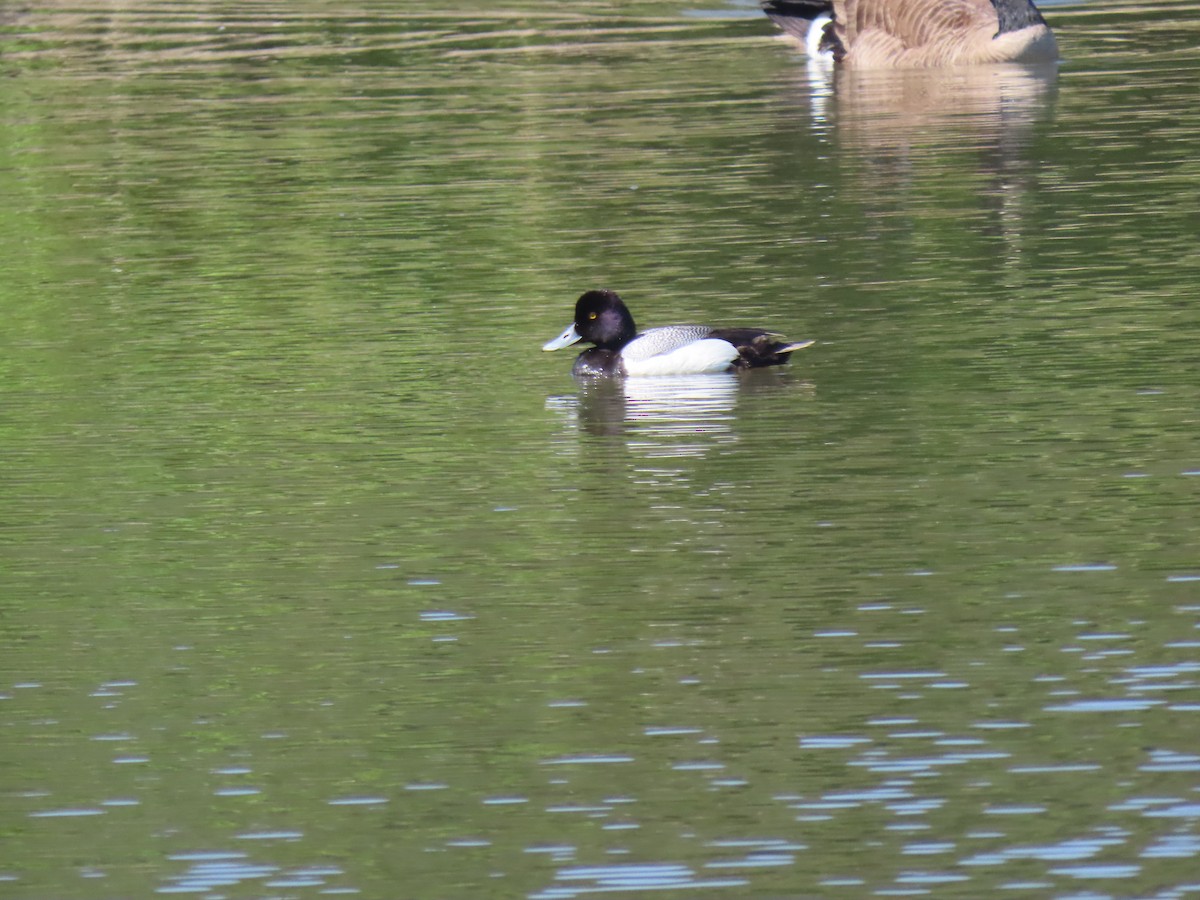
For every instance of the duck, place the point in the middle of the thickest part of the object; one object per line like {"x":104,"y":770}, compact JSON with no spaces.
{"x":916,"y":34}
{"x":603,"y":319}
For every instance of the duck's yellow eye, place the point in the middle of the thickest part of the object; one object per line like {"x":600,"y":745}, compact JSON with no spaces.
{"x":591,"y":315}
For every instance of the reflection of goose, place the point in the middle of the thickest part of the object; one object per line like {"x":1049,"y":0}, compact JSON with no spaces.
{"x":897,"y":108}
{"x":905,"y":134}
{"x":916,"y":34}
{"x":603,"y":319}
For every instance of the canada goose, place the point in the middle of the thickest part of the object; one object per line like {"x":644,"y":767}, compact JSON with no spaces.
{"x":916,"y":34}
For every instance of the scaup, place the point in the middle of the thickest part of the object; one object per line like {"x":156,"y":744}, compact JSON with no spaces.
{"x":603,"y":319}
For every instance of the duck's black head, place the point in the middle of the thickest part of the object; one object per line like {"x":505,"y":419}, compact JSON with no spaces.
{"x":602,"y":318}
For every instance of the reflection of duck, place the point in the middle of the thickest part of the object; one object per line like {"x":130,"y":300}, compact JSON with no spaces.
{"x":601,"y":318}
{"x":679,"y":415}
{"x":916,"y":34}
{"x":682,"y":404}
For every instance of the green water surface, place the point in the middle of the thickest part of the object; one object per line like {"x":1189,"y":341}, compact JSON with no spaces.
{"x":317,"y":576}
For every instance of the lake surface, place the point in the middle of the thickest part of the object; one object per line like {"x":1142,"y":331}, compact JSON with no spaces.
{"x":318,"y":577}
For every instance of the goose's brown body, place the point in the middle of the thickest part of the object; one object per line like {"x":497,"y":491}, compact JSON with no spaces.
{"x":916,"y":34}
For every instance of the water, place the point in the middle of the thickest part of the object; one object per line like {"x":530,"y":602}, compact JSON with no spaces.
{"x":320,"y":578}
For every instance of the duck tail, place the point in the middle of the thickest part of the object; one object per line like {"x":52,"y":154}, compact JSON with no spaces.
{"x":758,"y":348}
{"x":798,"y":345}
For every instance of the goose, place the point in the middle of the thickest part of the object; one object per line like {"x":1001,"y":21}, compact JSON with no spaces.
{"x":916,"y":34}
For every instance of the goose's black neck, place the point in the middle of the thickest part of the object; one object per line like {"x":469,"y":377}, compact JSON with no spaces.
{"x":1015,"y":15}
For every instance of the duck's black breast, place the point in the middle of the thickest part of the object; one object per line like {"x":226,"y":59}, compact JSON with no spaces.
{"x":596,"y":362}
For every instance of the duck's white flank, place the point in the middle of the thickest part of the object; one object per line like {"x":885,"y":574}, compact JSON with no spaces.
{"x":697,"y":358}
